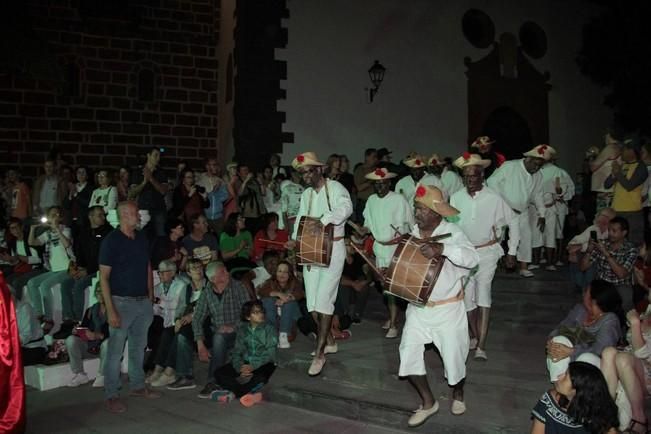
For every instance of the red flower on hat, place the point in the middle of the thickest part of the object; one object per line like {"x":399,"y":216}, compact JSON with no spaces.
{"x":418,"y":162}
{"x":542,"y":149}
{"x":434,"y":162}
{"x":420,"y":191}
{"x":300,"y":158}
{"x":466,"y":155}
{"x":380,"y":172}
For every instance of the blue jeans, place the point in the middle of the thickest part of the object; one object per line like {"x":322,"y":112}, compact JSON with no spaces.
{"x":40,"y":293}
{"x":289,"y":313}
{"x":184,"y":355}
{"x":581,"y":278}
{"x":136,"y":315}
{"x":73,"y":293}
{"x":222,"y":343}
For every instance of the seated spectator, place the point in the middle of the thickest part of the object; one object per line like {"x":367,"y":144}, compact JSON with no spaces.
{"x":58,"y":247}
{"x":269,"y":237}
{"x":188,"y":198}
{"x":105,"y":195}
{"x":642,"y":276}
{"x":183,"y":327}
{"x":170,"y":246}
{"x":222,"y":302}
{"x":578,"y":403}
{"x":353,"y":290}
{"x":23,"y":261}
{"x":170,"y":297}
{"x":259,"y":275}
{"x":82,"y":272}
{"x":77,"y":200}
{"x":590,"y":327}
{"x":614,"y":260}
{"x":253,"y":358}
{"x":87,"y":338}
{"x":199,"y":243}
{"x":236,"y":245}
{"x":632,"y":369}
{"x":32,"y":343}
{"x":578,"y":246}
{"x":280,"y":295}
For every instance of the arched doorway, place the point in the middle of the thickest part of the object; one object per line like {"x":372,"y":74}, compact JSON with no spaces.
{"x":510,"y":131}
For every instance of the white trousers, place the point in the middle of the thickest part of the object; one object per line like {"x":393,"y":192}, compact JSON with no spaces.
{"x":524,"y":247}
{"x":322,"y":283}
{"x":479,"y":288}
{"x":445,"y":326}
{"x":548,"y":237}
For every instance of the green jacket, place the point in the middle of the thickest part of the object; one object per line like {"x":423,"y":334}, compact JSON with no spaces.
{"x":254,"y":346}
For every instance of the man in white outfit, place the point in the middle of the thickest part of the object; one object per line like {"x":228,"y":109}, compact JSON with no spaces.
{"x":450,"y":181}
{"x":328,"y":201}
{"x":519,"y":182}
{"x":387,"y":216}
{"x":442,"y":321}
{"x":483,"y":213}
{"x":417,"y":176}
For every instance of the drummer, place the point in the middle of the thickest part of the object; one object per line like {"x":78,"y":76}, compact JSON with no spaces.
{"x":328,"y":201}
{"x":483,"y":215}
{"x":387,"y":216}
{"x":443,"y":320}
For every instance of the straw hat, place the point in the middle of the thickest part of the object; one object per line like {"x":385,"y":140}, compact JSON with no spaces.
{"x":435,"y":160}
{"x":481,"y":142}
{"x":433,"y":198}
{"x":545,"y":152}
{"x":230,"y":166}
{"x":306,"y":159}
{"x":414,"y":161}
{"x":380,"y":174}
{"x":468,"y":159}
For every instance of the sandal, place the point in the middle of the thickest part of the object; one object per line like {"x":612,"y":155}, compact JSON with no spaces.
{"x":633,"y":424}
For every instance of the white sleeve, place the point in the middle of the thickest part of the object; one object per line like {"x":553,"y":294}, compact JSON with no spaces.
{"x":112,"y":199}
{"x":302,"y":210}
{"x":460,"y":251}
{"x":341,"y":206}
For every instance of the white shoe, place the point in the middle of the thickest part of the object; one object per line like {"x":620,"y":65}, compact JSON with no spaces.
{"x":316,"y":367}
{"x":420,"y":416}
{"x":164,"y":380}
{"x":392,"y":333}
{"x":78,"y":380}
{"x":458,"y":407}
{"x":283,"y":342}
{"x":386,"y":325}
{"x":551,"y":268}
{"x":99,"y":381}
{"x":526,"y":273}
{"x":533,"y":267}
{"x":329,"y":349}
{"x":473,"y":343}
{"x":543,"y":260}
{"x":559,"y":264}
{"x":155,"y":375}
{"x":480,"y":355}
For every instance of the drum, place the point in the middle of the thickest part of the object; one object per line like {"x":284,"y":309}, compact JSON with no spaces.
{"x":411,"y":276}
{"x":314,"y":242}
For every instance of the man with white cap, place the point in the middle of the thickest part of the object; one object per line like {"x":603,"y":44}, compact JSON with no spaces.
{"x":520,"y":183}
{"x":483,"y":213}
{"x":328,"y":201}
{"x":387,"y":216}
{"x":450,"y":181}
{"x":417,"y":176}
{"x":442,"y":320}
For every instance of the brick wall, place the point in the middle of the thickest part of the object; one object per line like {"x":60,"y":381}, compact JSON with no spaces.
{"x":101,"y":120}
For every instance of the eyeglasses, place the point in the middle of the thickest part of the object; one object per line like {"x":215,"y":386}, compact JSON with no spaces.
{"x":253,"y":312}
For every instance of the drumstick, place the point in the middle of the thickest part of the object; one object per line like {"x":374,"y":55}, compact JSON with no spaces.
{"x":360,"y":230}
{"x":432,"y":239}
{"x":364,"y":257}
{"x":280,"y":243}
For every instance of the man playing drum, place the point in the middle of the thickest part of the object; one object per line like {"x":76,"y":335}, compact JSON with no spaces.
{"x":329,"y":202}
{"x":483,"y":214}
{"x":387,"y":216}
{"x":442,"y":321}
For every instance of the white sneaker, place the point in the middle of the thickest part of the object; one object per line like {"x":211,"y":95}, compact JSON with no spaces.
{"x":155,"y":375}
{"x":480,"y":355}
{"x":420,"y":416}
{"x":78,"y":380}
{"x":543,"y":260}
{"x":386,"y":325}
{"x":283,"y":342}
{"x":164,"y":380}
{"x":329,"y":349}
{"x":473,"y":343}
{"x":533,"y":267}
{"x":392,"y":333}
{"x":559,"y":264}
{"x":526,"y":273}
{"x":99,"y":381}
{"x":551,"y":268}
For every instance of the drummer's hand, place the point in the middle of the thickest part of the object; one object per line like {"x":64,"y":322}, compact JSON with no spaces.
{"x":290,"y":244}
{"x":432,"y":250}
{"x":315,"y":228}
{"x":510,"y":261}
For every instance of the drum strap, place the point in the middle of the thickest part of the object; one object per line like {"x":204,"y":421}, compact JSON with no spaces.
{"x":458,"y":297}
{"x":309,"y":206}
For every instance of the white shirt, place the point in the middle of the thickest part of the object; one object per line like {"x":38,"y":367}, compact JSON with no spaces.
{"x":48,"y":196}
{"x":315,"y":204}
{"x":57,"y":256}
{"x":483,"y":216}
{"x":407,"y":187}
{"x":261,"y":276}
{"x":290,"y":197}
{"x":461,"y":258}
{"x":170,"y":300}
{"x":387,"y":218}
{"x":104,"y":197}
{"x":517,"y":186}
{"x":584,"y":237}
{"x":452,"y":182}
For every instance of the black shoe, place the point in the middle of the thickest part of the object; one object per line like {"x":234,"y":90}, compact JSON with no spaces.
{"x":207,"y":390}
{"x":357,"y":319}
{"x":65,"y":330}
{"x":183,"y":383}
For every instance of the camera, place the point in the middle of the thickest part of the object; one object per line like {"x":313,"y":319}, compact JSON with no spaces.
{"x":593,"y":235}
{"x":161,"y":150}
{"x":200,"y":189}
{"x":43,"y":219}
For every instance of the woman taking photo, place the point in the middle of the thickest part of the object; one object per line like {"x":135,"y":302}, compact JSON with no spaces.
{"x":188,"y":199}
